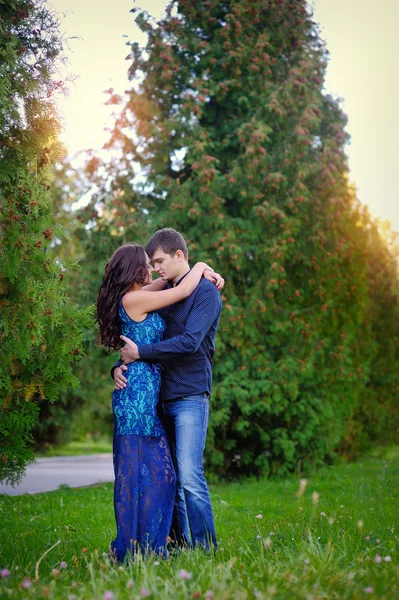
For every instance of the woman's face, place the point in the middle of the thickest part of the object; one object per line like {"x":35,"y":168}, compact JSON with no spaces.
{"x":150,"y":270}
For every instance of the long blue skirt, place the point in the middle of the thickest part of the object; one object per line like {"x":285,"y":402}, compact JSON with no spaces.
{"x":143,"y":495}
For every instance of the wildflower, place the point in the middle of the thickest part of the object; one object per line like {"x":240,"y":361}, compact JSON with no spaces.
{"x":300,"y":508}
{"x":369,"y":589}
{"x":307,"y":561}
{"x":84,"y":550}
{"x":26,"y":583}
{"x":331,"y":521}
{"x":315,"y":498}
{"x":323,"y":514}
{"x":367,"y":538}
{"x":378,"y":558}
{"x":74,"y":585}
{"x":267,"y":543}
{"x":182,"y":574}
{"x":108,"y":595}
{"x":72,"y":597}
{"x":302,"y":486}
{"x":271,"y":533}
{"x":129,"y":584}
{"x":121,"y":569}
{"x":209,"y":595}
{"x":387,"y":558}
{"x":259,"y":517}
{"x":4,"y":573}
{"x":360,"y":524}
{"x":63,"y":564}
{"x":156,"y":563}
{"x":377,"y":541}
{"x":144,"y":593}
{"x":258,"y":537}
{"x":55,"y":572}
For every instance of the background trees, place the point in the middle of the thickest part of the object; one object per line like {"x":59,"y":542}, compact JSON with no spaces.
{"x":41,"y":331}
{"x":241,"y":149}
{"x":226,"y":134}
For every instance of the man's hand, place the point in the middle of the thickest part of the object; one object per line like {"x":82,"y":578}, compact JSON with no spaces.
{"x":120,"y":380}
{"x":129,"y":352}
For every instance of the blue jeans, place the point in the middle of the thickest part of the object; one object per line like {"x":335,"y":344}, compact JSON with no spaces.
{"x":186,"y":421}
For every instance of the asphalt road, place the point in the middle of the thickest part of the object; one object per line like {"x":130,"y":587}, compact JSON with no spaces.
{"x":47,"y":474}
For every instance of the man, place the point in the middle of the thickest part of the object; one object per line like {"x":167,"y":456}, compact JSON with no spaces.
{"x":186,"y":354}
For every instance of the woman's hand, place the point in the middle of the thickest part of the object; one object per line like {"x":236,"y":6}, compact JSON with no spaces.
{"x":215,"y":278}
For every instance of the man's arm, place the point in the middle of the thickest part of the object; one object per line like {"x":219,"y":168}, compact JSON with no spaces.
{"x":205,"y":310}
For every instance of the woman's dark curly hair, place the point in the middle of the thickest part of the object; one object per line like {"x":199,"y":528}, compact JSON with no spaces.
{"x":127,"y":265}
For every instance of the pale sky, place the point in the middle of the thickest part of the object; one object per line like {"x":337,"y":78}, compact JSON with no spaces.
{"x":362,"y":39}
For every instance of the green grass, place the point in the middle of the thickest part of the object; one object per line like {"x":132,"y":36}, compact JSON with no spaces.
{"x":307,"y":547}
{"x":78,"y":448}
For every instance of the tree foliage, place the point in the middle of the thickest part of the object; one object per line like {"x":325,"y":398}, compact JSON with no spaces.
{"x":41,"y":331}
{"x":241,"y":150}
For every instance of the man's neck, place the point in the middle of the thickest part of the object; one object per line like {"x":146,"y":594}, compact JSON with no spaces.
{"x":185,"y":268}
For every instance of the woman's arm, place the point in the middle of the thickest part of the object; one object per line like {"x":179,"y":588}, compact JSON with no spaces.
{"x":156,"y":286}
{"x":142,"y":302}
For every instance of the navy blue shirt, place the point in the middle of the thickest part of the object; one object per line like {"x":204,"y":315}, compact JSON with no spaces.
{"x":186,"y":351}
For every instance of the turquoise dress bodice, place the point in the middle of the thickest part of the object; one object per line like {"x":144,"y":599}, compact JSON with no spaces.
{"x":135,"y":406}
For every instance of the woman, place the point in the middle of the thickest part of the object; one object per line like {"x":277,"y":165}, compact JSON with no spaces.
{"x":144,"y":475}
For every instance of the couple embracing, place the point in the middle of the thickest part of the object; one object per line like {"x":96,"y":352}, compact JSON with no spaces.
{"x":162,"y":391}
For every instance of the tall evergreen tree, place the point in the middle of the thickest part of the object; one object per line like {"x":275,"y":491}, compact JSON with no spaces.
{"x":243,"y":152}
{"x":41,"y":331}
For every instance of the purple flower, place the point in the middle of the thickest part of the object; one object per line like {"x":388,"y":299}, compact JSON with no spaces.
{"x":259,"y":517}
{"x":55,"y":572}
{"x":4,"y":573}
{"x":369,"y":589}
{"x":209,"y":594}
{"x":144,"y":593}
{"x":63,"y":565}
{"x":387,"y":558}
{"x":378,"y":558}
{"x":377,"y":541}
{"x":26,"y":584}
{"x":367,"y":538}
{"x":108,"y":595}
{"x":129,"y":584}
{"x":182,"y":574}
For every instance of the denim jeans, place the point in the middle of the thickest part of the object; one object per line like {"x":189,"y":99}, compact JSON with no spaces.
{"x":186,"y":421}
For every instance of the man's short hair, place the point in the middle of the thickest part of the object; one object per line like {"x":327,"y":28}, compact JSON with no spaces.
{"x":169,"y":240}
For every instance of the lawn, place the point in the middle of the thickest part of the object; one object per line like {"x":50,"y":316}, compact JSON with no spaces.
{"x":334,"y":536}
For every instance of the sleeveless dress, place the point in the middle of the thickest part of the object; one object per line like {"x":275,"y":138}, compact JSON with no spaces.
{"x":144,"y":474}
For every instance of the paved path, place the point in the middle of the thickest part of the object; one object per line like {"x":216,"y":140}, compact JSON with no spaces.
{"x":47,"y":474}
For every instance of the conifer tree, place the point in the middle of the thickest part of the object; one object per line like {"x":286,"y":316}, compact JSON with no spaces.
{"x":243,"y":152}
{"x":41,"y":331}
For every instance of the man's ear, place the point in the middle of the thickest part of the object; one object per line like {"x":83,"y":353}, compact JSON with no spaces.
{"x":179,"y":254}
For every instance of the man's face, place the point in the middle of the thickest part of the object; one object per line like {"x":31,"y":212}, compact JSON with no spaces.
{"x":167,"y":266}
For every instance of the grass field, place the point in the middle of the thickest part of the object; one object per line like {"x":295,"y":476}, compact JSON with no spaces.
{"x":78,"y":448}
{"x":334,"y":537}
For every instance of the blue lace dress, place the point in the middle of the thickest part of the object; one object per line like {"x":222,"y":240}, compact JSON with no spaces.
{"x":144,"y":475}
